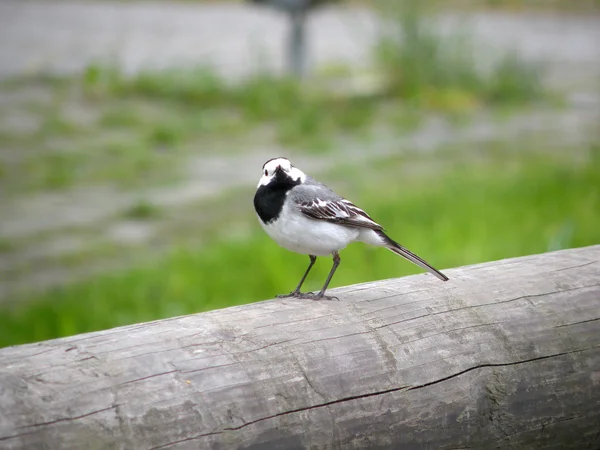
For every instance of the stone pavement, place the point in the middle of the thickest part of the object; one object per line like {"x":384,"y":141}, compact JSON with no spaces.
{"x":65,"y":36}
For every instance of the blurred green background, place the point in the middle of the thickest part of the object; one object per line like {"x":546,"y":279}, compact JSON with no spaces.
{"x":154,"y":172}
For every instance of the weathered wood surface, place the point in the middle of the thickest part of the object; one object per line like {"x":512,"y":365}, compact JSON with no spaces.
{"x":504,"y":355}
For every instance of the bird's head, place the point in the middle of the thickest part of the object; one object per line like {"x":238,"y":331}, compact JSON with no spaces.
{"x":280,"y":170}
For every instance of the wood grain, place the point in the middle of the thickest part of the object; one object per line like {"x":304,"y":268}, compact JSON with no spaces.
{"x":504,"y":355}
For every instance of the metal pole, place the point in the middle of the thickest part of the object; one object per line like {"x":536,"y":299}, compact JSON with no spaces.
{"x":296,"y":44}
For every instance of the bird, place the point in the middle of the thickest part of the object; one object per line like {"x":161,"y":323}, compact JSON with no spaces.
{"x":305,"y":216}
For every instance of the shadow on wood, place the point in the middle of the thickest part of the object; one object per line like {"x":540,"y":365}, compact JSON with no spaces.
{"x":504,"y":355}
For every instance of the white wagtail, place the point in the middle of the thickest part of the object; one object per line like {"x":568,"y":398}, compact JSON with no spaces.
{"x":305,"y":216}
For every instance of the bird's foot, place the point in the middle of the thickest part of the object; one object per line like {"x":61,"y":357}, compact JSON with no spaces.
{"x":307,"y":296}
{"x":319,"y":296}
{"x":328,"y":297}
{"x":293,"y":294}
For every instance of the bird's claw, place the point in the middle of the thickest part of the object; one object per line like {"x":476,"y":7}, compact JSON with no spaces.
{"x":325,"y":297}
{"x":307,"y":296}
{"x":296,"y":294}
{"x":293,"y":294}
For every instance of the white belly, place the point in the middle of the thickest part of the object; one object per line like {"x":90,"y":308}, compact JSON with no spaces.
{"x":301,"y":234}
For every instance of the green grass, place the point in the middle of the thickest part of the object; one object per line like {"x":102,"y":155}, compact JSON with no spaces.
{"x":142,"y":210}
{"x":452,"y":209}
{"x":143,"y":128}
{"x":300,"y":114}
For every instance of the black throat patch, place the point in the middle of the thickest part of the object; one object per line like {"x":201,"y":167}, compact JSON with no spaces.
{"x":268,"y":200}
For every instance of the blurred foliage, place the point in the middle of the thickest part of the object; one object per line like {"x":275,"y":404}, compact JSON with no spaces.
{"x":142,"y":210}
{"x":298,"y":112}
{"x":106,"y":126}
{"x":535,"y":5}
{"x":442,"y":71}
{"x":453,"y":208}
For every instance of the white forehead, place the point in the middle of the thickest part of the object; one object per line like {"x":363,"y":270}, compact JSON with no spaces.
{"x":286,"y":165}
{"x":274,"y":163}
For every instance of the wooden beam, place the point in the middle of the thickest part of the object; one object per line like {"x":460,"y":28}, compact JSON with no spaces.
{"x":504,"y":355}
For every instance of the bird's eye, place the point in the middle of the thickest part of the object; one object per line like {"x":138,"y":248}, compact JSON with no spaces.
{"x":266,"y":173}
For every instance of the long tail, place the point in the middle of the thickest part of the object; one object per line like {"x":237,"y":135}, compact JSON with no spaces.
{"x":405,"y":253}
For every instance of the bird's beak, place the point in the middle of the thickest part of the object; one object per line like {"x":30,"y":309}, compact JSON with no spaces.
{"x":278,"y":169}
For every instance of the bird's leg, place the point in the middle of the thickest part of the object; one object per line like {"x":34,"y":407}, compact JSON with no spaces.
{"x":313,"y":259}
{"x":296,"y":292}
{"x":336,"y":263}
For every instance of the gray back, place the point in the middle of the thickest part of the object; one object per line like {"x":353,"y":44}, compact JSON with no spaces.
{"x":310,"y":190}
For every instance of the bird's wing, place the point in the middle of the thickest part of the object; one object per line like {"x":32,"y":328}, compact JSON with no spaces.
{"x":339,"y":211}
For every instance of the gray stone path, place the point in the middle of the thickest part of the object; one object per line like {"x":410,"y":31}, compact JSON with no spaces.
{"x":64,"y":36}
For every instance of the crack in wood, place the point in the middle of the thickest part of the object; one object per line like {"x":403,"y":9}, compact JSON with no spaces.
{"x":262,"y":348}
{"x":543,"y":427}
{"x":309,"y":382}
{"x":394,"y":295}
{"x":451,"y":330}
{"x":183,"y":372}
{"x":402,"y":388}
{"x":405,"y":320}
{"x":285,"y":413}
{"x":191,"y":438}
{"x":371,"y":394}
{"x":574,"y":267}
{"x":577,"y":323}
{"x":340,"y":337}
{"x":523,"y":297}
{"x":395,"y":305}
{"x":125,"y":329}
{"x":320,"y":405}
{"x":41,"y":353}
{"x":482,"y":366}
{"x":145,"y":378}
{"x":52,"y":422}
{"x":120,"y":349}
{"x":292,"y":321}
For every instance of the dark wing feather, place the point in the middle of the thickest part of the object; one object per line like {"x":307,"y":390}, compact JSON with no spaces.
{"x":340,"y":211}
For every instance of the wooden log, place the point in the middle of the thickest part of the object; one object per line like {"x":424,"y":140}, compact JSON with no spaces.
{"x":504,"y":355}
